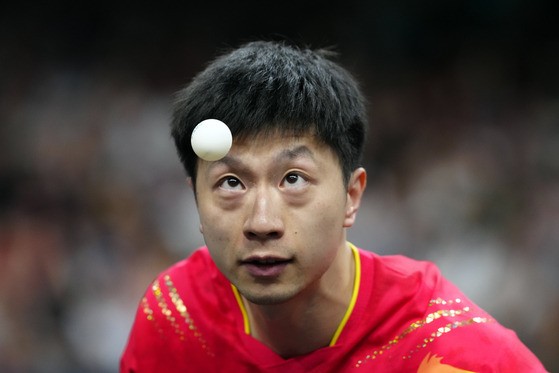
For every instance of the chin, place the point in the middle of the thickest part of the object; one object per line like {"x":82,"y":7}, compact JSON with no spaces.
{"x":267,"y":298}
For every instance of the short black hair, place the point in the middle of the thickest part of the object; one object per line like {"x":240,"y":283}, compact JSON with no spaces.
{"x":266,"y":87}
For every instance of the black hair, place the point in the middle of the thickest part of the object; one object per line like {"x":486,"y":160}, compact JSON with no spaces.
{"x":269,"y":87}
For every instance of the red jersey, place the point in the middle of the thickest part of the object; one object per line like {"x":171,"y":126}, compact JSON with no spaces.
{"x":403,"y":317}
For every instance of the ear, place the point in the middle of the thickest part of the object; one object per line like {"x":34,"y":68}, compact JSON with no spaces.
{"x":355,"y":189}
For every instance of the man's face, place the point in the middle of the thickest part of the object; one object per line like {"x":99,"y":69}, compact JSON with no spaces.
{"x":273,"y":213}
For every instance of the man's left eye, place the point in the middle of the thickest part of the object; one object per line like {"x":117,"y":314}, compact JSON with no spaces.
{"x":294,"y":179}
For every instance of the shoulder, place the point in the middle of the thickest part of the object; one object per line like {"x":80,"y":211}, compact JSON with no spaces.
{"x":188,"y":282}
{"x":398,"y":271}
{"x":174,"y":312}
{"x":435,"y":323}
{"x":176,"y":284}
{"x":398,"y":265}
{"x":199,"y":260}
{"x":466,"y":336}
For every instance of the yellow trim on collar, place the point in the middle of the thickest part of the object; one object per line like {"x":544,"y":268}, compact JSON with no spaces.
{"x":243,"y":310}
{"x":356,"y":284}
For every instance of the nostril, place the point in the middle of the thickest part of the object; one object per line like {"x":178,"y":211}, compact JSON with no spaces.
{"x":263,"y":236}
{"x":273,"y":234}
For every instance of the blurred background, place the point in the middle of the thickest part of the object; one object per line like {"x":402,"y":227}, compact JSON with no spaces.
{"x":463,"y":155}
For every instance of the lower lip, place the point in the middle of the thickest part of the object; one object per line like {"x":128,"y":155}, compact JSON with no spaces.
{"x":268,"y":270}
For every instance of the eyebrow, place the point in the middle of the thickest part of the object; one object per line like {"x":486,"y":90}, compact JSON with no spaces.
{"x":296,"y":152}
{"x":285,"y":154}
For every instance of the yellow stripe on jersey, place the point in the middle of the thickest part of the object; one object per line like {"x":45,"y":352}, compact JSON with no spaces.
{"x":242,"y":307}
{"x":356,"y":284}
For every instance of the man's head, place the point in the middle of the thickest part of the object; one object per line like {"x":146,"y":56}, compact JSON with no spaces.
{"x":274,"y":210}
{"x":269,"y":88}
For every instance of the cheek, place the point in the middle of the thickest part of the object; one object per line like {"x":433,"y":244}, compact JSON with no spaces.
{"x":210,"y":224}
{"x":329,"y":215}
{"x":221,"y":230}
{"x":215,"y":229}
{"x":323,"y":227}
{"x":217,"y":239}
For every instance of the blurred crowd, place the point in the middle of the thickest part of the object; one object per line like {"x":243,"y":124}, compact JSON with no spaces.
{"x":463,"y":167}
{"x":94,"y":203}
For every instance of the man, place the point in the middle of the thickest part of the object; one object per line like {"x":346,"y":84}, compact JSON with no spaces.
{"x":278,"y":288}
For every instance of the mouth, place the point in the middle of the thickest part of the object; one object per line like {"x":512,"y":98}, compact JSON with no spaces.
{"x":267,"y":266}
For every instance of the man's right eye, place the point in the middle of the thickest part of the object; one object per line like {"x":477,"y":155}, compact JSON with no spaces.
{"x":230,"y":183}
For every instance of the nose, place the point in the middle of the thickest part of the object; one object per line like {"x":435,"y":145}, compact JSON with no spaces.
{"x":263,"y":221}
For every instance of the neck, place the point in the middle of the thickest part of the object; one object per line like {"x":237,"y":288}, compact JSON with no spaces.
{"x":308,"y":321}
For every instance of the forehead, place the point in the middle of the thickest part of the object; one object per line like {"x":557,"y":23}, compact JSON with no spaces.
{"x":272,"y":149}
{"x":277,"y":142}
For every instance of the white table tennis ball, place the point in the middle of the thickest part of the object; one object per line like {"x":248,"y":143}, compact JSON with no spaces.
{"x":211,"y":139}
